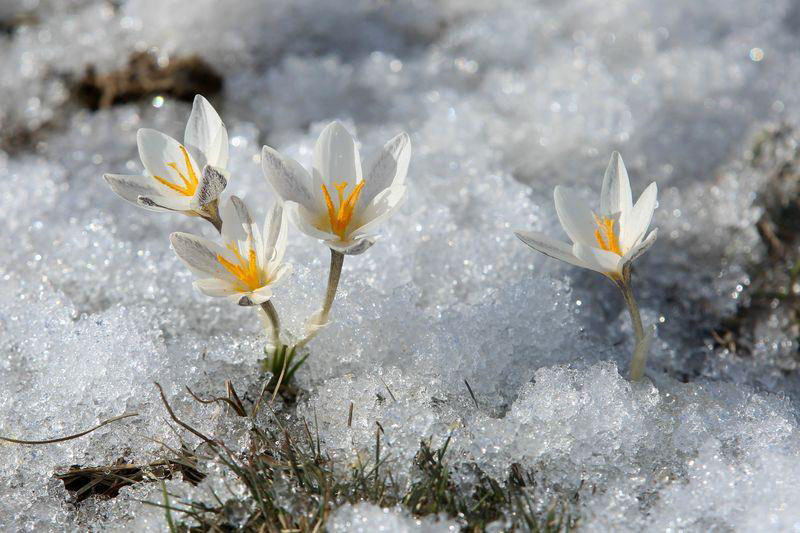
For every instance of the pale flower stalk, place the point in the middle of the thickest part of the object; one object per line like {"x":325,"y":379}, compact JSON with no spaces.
{"x":186,"y":178}
{"x":248,"y":265}
{"x":339,"y":202}
{"x":607,"y":240}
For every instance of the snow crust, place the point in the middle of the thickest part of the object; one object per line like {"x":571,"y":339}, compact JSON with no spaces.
{"x":503,"y":100}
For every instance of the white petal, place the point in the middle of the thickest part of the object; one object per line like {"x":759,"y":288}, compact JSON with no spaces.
{"x":200,"y":255}
{"x":211,"y":185}
{"x":280,"y":272}
{"x":634,"y":223}
{"x":303,"y":220}
{"x":389,"y":169}
{"x":576,"y":216}
{"x":382,"y":207}
{"x":178,"y":203}
{"x":597,"y":259}
{"x":642,"y":247}
{"x":555,"y":249}
{"x":615,"y":195}
{"x":237,"y":224}
{"x":216,"y":287}
{"x":259,"y":296}
{"x":157,"y":149}
{"x":131,"y":187}
{"x":336,"y":156}
{"x":353,"y":247}
{"x":275,"y":234}
{"x":205,"y":135}
{"x":288,"y":178}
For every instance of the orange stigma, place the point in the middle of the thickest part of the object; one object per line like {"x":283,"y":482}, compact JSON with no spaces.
{"x":605,"y":235}
{"x":189,"y":184}
{"x":246,"y":271}
{"x":340,"y":218}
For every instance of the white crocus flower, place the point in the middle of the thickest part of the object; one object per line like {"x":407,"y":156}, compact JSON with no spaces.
{"x":186,"y":178}
{"x":609,"y":239}
{"x":338,"y":203}
{"x":248,"y":265}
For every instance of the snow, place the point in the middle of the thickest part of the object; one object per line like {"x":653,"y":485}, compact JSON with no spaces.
{"x":366,"y":518}
{"x":503,"y":101}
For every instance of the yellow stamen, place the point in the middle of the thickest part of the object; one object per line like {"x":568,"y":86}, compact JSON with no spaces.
{"x":341,"y":217}
{"x":605,"y":235}
{"x":189,"y":184}
{"x":246,"y":271}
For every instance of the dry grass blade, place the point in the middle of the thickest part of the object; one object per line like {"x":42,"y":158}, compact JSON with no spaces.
{"x":234,"y":402}
{"x":69,"y":437}
{"x":388,"y":389}
{"x":257,"y":406}
{"x":182,"y":424}
{"x":471,"y":394}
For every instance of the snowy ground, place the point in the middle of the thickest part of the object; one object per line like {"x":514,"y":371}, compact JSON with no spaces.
{"x":502,"y":100}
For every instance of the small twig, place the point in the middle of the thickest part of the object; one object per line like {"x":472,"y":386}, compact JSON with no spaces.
{"x":70,"y":437}
{"x":471,"y":393}
{"x":350,"y":416}
{"x":178,"y":421}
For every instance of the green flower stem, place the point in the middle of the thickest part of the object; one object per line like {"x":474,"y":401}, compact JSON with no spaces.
{"x":272,"y":315}
{"x":337,"y":260}
{"x":642,"y":344}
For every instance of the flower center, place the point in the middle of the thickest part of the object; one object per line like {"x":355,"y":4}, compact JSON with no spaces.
{"x":341,"y":217}
{"x":246,"y":271}
{"x":189,"y":184}
{"x":605,"y":235}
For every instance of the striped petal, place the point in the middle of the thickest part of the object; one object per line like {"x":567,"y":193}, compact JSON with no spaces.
{"x":389,"y":169}
{"x":130,"y":187}
{"x":288,"y":178}
{"x":551,"y":247}
{"x":211,"y":185}
{"x":200,"y":256}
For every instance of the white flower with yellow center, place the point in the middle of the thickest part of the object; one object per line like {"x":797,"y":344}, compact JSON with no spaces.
{"x":607,"y":240}
{"x":186,"y":178}
{"x":337,"y":203}
{"x":248,"y":265}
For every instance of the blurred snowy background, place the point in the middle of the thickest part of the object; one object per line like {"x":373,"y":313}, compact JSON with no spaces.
{"x":502,"y":100}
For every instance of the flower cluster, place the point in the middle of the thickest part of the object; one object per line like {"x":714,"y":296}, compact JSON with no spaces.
{"x":338,"y":202}
{"x":342,"y":203}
